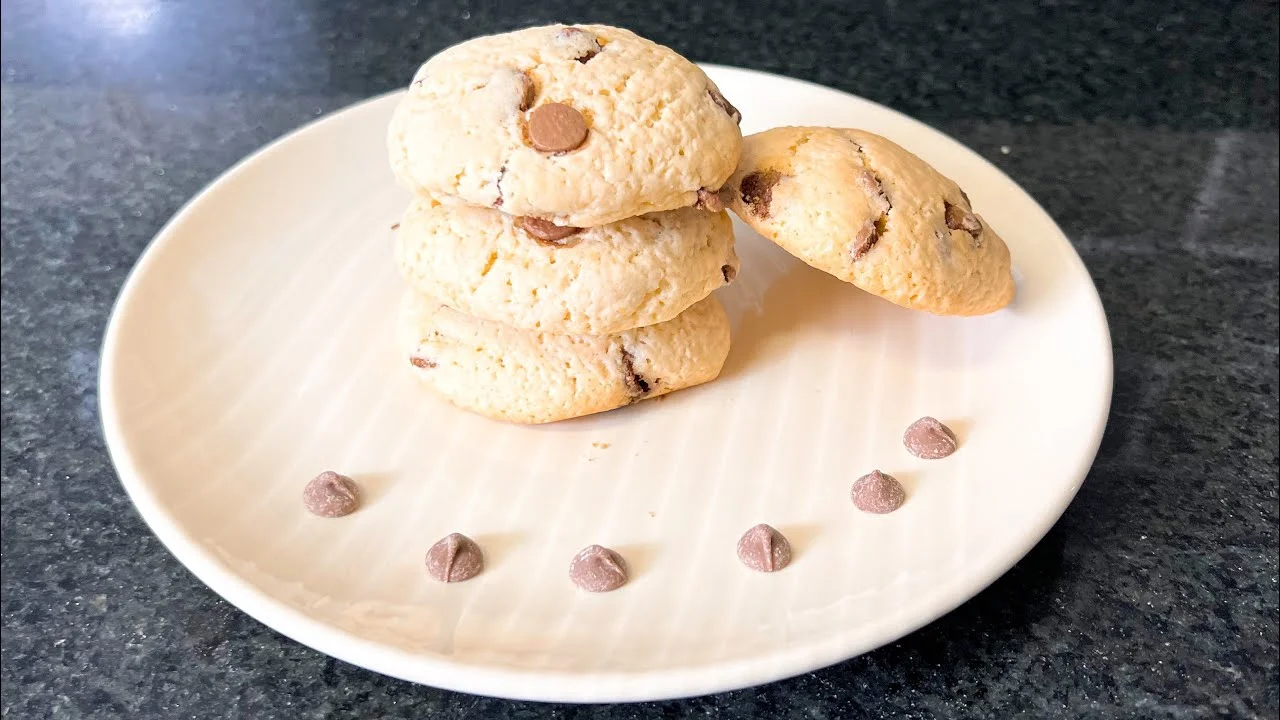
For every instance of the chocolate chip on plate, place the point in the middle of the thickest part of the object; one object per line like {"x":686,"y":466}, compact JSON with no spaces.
{"x":556,"y":128}
{"x":331,"y":495}
{"x":598,"y":569}
{"x":546,"y":231}
{"x":929,"y":439}
{"x":877,"y":493}
{"x":764,"y":549}
{"x":455,"y":558}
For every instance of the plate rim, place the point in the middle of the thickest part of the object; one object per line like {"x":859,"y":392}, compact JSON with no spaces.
{"x":512,"y":682}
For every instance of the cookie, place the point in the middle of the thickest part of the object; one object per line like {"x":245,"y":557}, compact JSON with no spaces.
{"x":635,"y":272}
{"x":580,"y":126}
{"x":863,"y":209}
{"x":537,"y":377}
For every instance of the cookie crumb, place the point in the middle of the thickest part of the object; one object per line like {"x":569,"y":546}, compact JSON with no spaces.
{"x":395,"y":226}
{"x":601,"y":445}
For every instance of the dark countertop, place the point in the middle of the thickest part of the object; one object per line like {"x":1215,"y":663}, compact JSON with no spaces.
{"x":1148,"y":131}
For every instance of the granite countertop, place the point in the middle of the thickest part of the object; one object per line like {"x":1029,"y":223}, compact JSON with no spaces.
{"x":1148,"y":130}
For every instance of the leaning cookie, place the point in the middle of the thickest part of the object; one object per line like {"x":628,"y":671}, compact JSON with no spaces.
{"x":581,"y":126}
{"x":863,"y":209}
{"x":635,"y":272}
{"x":538,"y":377}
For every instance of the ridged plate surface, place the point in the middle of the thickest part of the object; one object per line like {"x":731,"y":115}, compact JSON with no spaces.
{"x":253,"y":347}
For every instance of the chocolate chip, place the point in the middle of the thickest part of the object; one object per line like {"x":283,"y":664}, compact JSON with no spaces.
{"x":960,"y":219}
{"x":756,"y":190}
{"x":455,"y":558}
{"x":725,"y":105}
{"x":729,"y":272}
{"x":528,"y":91}
{"x":497,"y":184}
{"x":868,"y":181}
{"x":331,"y":495}
{"x":556,"y":128}
{"x":637,"y":386}
{"x":547,"y":232}
{"x":581,"y":43}
{"x":598,"y":569}
{"x":929,"y":439}
{"x":709,"y":200}
{"x":867,"y":237}
{"x":421,"y":362}
{"x":764,"y":549}
{"x":877,"y":493}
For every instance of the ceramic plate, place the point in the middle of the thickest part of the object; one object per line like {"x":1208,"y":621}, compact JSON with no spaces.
{"x":252,"y":347}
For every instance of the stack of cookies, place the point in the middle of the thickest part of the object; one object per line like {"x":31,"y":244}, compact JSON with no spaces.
{"x":566,"y":235}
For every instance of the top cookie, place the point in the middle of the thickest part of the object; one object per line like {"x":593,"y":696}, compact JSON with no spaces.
{"x":581,"y":126}
{"x":863,"y":209}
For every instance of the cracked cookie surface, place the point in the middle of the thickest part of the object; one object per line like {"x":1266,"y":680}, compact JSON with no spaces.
{"x":537,"y":377}
{"x":581,"y":126}
{"x":632,"y":273}
{"x":859,"y":207}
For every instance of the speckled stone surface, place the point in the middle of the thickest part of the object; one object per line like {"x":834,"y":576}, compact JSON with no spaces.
{"x":1148,"y":129}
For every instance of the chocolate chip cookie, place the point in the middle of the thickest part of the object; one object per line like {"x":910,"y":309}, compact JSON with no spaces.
{"x":537,"y":377}
{"x":580,"y":126}
{"x":865,"y":210}
{"x":534,"y":275}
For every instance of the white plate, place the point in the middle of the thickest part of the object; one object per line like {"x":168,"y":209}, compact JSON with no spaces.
{"x":252,"y":347}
